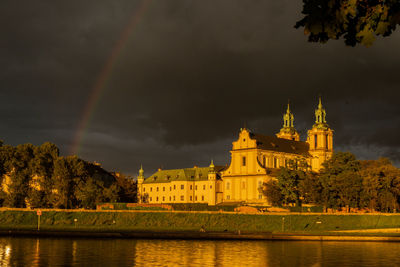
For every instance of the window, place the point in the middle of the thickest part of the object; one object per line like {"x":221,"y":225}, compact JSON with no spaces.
{"x":315,"y":141}
{"x":190,"y":187}
{"x":157,"y":188}
{"x":275,"y":163}
{"x":144,"y":189}
{"x":170,"y":188}
{"x":195,"y":187}
{"x":243,"y":185}
{"x":204,"y":187}
{"x":210,"y":186}
{"x":259,"y":183}
{"x":156,"y":198}
{"x":151,"y":199}
{"x":190,"y":198}
{"x":163,"y":198}
{"x":169,"y":198}
{"x":195,"y":198}
{"x":174,"y":198}
{"x":174,"y":187}
{"x":151,"y":189}
{"x":182,"y":198}
{"x":228,"y":197}
{"x":163,"y":189}
{"x":326,"y":141}
{"x":259,"y":196}
{"x":182,"y":186}
{"x":202,"y":198}
{"x":243,"y":161}
{"x":228,"y":185}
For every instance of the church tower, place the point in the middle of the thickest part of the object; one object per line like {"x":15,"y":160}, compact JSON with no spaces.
{"x":212,"y":174}
{"x":320,"y":139}
{"x":288,"y":131}
{"x":140,"y":180}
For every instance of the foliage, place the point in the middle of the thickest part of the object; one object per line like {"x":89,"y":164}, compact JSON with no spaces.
{"x":273,"y":193}
{"x":341,"y":182}
{"x":36,"y":176}
{"x":291,"y":184}
{"x":357,"y":21}
{"x":381,"y":185}
{"x":128,"y":188}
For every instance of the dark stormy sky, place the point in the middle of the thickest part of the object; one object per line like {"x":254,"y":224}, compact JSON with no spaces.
{"x":186,"y":80}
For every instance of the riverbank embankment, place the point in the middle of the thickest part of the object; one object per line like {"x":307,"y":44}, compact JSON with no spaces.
{"x":201,"y":225}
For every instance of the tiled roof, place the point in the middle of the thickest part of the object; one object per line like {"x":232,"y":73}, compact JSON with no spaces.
{"x":273,"y":143}
{"x":188,"y":174}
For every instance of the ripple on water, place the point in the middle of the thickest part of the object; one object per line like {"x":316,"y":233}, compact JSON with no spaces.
{"x":130,"y":252}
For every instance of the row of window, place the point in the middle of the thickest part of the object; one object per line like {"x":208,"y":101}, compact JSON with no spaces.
{"x":170,"y":188}
{"x":199,"y":175}
{"x":228,"y":185}
{"x":173,"y":198}
{"x":228,"y":197}
{"x":275,"y":162}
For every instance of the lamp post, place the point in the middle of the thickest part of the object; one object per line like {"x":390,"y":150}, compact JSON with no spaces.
{"x":38,"y":213}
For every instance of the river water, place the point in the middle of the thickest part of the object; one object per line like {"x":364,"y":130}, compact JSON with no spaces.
{"x":23,"y":251}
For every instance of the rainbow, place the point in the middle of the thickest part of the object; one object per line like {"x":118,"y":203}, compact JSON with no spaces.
{"x":105,"y":74}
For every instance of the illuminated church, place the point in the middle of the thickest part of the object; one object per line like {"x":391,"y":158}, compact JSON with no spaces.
{"x":255,"y":158}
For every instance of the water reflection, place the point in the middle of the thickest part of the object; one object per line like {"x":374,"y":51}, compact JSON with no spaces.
{"x":129,"y":252}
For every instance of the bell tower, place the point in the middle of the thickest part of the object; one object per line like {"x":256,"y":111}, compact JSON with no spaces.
{"x":320,"y":139}
{"x":140,"y":180}
{"x":288,"y":131}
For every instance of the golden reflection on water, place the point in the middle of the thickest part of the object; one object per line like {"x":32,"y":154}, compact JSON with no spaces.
{"x":5,"y":252}
{"x":200,"y":253}
{"x":131,"y":252}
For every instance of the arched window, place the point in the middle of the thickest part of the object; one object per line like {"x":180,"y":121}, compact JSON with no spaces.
{"x":315,"y":141}
{"x":326,"y":141}
{"x":243,"y":161}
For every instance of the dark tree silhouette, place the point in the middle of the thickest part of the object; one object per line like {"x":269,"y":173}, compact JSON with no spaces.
{"x":357,"y":21}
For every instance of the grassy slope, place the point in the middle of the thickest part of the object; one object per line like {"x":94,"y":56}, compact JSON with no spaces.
{"x":171,"y":221}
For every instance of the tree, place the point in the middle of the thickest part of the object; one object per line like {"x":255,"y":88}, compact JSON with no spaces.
{"x":357,"y":21}
{"x":341,"y":181}
{"x":36,"y":176}
{"x":310,"y":188}
{"x":127,"y":188}
{"x":68,"y":171}
{"x":89,"y":192}
{"x":290,"y":180}
{"x":20,"y":172}
{"x":41,"y":174}
{"x":381,"y":185}
{"x":288,"y":183}
{"x":273,"y":193}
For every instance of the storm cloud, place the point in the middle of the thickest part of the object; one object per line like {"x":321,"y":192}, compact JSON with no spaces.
{"x":189,"y":76}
